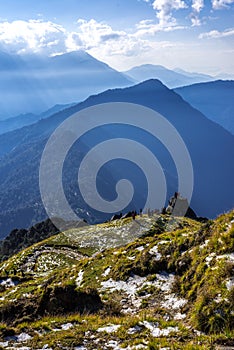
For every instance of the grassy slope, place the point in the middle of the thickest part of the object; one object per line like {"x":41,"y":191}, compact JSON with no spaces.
{"x":163,"y":272}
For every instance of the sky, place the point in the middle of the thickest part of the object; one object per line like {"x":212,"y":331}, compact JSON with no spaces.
{"x":194,"y":35}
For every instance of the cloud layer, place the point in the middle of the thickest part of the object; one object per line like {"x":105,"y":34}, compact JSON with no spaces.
{"x":145,"y":42}
{"x":31,"y":36}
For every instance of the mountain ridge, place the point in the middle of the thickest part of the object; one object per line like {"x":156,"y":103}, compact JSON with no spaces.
{"x":171,"y":78}
{"x":203,"y":138}
{"x":36,"y":83}
{"x":213,"y":99}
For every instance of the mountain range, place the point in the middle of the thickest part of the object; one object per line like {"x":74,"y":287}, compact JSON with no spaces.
{"x":170,"y":78}
{"x":211,"y":149}
{"x":214,"y":99}
{"x":34,"y":83}
{"x":22,"y":120}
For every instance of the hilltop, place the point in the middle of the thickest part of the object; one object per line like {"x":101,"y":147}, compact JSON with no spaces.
{"x":158,"y":282}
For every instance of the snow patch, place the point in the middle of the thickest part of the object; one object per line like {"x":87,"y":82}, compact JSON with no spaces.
{"x":204,"y":244}
{"x":109,"y":329}
{"x":230,"y":283}
{"x":131,"y":257}
{"x":8,"y":283}
{"x":154,"y":251}
{"x":134,"y":330}
{"x":173,"y":302}
{"x":79,"y":278}
{"x":66,"y":326}
{"x":229,"y":257}
{"x":209,"y":258}
{"x":130,"y":287}
{"x":158,"y":332}
{"x":106,"y":272}
{"x":179,"y":316}
{"x":140,"y":248}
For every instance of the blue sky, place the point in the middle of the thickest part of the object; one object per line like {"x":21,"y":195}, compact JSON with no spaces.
{"x":195,"y":35}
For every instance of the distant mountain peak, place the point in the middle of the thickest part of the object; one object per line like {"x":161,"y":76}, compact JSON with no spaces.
{"x":171,"y":78}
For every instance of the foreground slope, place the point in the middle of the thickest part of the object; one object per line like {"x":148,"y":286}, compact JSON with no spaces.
{"x":170,"y":288}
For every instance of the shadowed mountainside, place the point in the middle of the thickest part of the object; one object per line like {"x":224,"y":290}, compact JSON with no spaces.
{"x":211,"y":150}
{"x":214,"y":99}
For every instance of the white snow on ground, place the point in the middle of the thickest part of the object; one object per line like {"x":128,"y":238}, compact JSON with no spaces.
{"x":140,"y":248}
{"x":154,"y":251}
{"x":130,"y":287}
{"x":8,"y":283}
{"x":209,"y":258}
{"x":204,"y":244}
{"x":66,"y":326}
{"x":132,"y":301}
{"x":179,"y":316}
{"x":163,"y":281}
{"x":23,"y":337}
{"x":230,"y":283}
{"x":106,"y":272}
{"x":113,"y":344}
{"x":135,"y":329}
{"x":158,"y":332}
{"x":109,"y":329}
{"x":79,"y":278}
{"x":226,"y":256}
{"x":173,"y":302}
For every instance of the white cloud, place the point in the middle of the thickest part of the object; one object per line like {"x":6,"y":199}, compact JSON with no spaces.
{"x":215,"y":34}
{"x":195,"y":20}
{"x":93,"y":33}
{"x":197,"y":5}
{"x":99,"y":38}
{"x":220,"y":4}
{"x":164,"y":10}
{"x":121,"y":49}
{"x":147,"y":27}
{"x":51,"y":38}
{"x":33,"y":35}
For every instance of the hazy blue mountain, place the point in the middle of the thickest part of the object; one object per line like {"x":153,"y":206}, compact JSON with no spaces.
{"x":211,"y":149}
{"x":33,"y":83}
{"x":214,"y":99}
{"x":224,"y":76}
{"x":168,"y":77}
{"x":22,"y":120}
{"x":199,"y":76}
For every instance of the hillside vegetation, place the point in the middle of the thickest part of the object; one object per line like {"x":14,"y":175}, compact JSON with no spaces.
{"x":156,"y":282}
